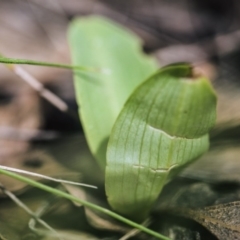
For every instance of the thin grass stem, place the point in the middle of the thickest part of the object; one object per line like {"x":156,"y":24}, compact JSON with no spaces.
{"x":44,"y":64}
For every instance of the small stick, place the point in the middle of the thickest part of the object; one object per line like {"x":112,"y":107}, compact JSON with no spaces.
{"x":16,"y":170}
{"x":35,"y":84}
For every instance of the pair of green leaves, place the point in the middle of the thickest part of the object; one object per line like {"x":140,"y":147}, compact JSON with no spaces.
{"x":155,"y":126}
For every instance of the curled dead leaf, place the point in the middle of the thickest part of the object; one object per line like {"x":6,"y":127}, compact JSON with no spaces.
{"x":96,"y":219}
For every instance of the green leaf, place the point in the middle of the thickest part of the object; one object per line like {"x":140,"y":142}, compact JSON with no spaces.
{"x":101,"y":44}
{"x":163,"y":126}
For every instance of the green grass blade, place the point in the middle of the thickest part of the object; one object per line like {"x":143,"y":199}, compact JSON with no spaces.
{"x":84,"y":203}
{"x":44,"y":64}
{"x":163,"y":126}
{"x":100,"y":43}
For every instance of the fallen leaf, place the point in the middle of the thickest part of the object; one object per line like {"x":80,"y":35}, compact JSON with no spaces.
{"x":96,"y":219}
{"x":38,"y":162}
{"x":222,"y":220}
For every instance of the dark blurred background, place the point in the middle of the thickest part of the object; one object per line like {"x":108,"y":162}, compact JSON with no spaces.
{"x":205,"y":33}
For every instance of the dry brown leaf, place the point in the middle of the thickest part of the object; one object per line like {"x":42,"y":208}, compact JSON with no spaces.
{"x":222,"y":220}
{"x":38,"y":162}
{"x":103,"y":223}
{"x":96,"y":219}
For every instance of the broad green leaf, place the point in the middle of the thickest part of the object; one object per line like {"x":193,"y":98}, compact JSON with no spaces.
{"x":163,"y":126}
{"x":103,"y":45}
